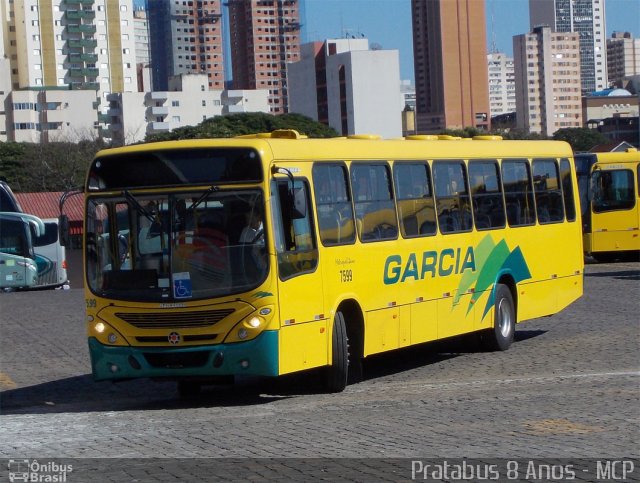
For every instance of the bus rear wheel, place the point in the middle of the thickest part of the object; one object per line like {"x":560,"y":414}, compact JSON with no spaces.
{"x":500,"y":337}
{"x":337,"y":372}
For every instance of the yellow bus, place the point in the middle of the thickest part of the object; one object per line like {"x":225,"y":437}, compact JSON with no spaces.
{"x":273,"y":253}
{"x":609,"y":199}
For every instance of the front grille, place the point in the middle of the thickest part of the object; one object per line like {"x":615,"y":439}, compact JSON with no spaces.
{"x":168,"y":360}
{"x":186,"y":338}
{"x":174,"y":320}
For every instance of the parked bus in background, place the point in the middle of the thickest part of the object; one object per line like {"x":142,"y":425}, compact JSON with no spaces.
{"x":8,"y":201}
{"x":609,"y":199}
{"x":273,"y":253}
{"x":51,"y":257}
{"x":18,"y":268}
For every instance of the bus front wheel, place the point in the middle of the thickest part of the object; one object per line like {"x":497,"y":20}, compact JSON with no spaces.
{"x":337,"y":372}
{"x":500,"y":337}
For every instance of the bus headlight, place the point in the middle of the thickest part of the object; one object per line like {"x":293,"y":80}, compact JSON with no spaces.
{"x":99,"y":327}
{"x":113,"y":338}
{"x":247,"y":329}
{"x":105,"y":333}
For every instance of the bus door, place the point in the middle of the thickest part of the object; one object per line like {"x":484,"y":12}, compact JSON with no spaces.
{"x":614,"y":217}
{"x":303,"y":333}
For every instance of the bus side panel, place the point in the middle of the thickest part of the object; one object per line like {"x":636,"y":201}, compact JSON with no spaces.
{"x":454,"y":319}
{"x":568,"y":290}
{"x":382,"y":330}
{"x":424,"y":321}
{"x":303,"y":346}
{"x":536,"y":299}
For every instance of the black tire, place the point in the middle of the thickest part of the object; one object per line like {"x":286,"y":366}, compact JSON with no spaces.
{"x":500,"y":337}
{"x":605,"y":257}
{"x":338,"y":371}
{"x":188,"y":389}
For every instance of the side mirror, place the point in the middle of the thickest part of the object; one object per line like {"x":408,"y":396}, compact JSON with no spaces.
{"x":299,"y":206}
{"x":63,"y":231}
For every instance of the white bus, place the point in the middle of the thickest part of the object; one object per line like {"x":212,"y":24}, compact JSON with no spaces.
{"x":51,"y":257}
{"x":18,"y":268}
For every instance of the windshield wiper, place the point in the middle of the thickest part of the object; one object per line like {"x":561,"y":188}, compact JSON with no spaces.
{"x":132,"y":199}
{"x":202,"y":197}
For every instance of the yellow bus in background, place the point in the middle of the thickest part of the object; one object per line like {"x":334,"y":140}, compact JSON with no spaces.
{"x":609,"y":197}
{"x":273,"y":253}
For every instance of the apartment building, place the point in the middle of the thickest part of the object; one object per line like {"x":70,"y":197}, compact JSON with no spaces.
{"x":343,"y":84}
{"x":623,"y":57}
{"x":79,"y":44}
{"x":188,"y":102}
{"x":191,"y":40}
{"x":450,"y":61}
{"x":265,"y":37}
{"x":547,"y":79}
{"x":141,"y":36}
{"x":586,"y":18}
{"x":51,"y":115}
{"x":502,"y":84}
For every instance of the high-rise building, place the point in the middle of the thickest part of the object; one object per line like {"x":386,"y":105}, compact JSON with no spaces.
{"x":186,"y":38}
{"x":587,"y":18}
{"x":502,"y":85}
{"x":265,"y":36}
{"x":623,"y":57}
{"x":83,"y":47}
{"x":547,"y":73}
{"x":450,"y":59}
{"x":141,"y":34}
{"x":82,"y":44}
{"x":342,"y":83}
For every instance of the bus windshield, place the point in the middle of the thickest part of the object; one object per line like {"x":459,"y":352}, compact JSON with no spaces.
{"x":180,"y":246}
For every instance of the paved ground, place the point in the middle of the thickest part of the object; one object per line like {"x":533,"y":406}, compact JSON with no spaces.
{"x":569,"y":389}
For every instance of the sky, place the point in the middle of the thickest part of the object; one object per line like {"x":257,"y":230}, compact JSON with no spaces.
{"x":388,"y":23}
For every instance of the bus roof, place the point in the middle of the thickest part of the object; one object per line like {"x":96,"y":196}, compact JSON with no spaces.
{"x":289,"y":145}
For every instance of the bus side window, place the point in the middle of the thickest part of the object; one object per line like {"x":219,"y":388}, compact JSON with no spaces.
{"x":373,"y":200}
{"x":567,"y":189}
{"x":295,"y":238}
{"x":333,"y":205}
{"x":546,"y":181}
{"x":416,"y":208}
{"x":518,"y":192}
{"x":452,"y":197}
{"x":486,"y":192}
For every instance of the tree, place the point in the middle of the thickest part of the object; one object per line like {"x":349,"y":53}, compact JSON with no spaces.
{"x":246,"y":123}
{"x":10,"y":163}
{"x":580,"y":138}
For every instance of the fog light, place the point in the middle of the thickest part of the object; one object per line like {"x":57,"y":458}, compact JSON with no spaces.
{"x":113,"y":368}
{"x":99,"y":327}
{"x":254,"y":322}
{"x":112,"y":338}
{"x":244,"y":364}
{"x":242,"y":334}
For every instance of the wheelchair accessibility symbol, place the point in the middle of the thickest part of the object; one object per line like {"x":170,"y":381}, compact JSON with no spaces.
{"x":182,"y":285}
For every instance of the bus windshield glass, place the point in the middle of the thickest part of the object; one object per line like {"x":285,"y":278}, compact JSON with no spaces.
{"x":179,"y":246}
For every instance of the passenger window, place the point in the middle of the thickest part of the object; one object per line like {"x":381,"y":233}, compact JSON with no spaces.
{"x":486,"y":194}
{"x":333,"y":205}
{"x":546,"y":182}
{"x":373,"y":196}
{"x":518,"y":192}
{"x":567,"y":189}
{"x":416,"y":208}
{"x":613,"y":190}
{"x":294,"y":234}
{"x":452,"y":197}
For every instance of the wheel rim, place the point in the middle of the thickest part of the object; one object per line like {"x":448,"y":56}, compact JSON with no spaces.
{"x":505,"y":318}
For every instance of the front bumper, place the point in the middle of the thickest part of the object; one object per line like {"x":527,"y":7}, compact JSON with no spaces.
{"x":258,"y":356}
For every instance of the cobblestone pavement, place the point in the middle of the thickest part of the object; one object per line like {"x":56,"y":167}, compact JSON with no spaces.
{"x":568,"y":389}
